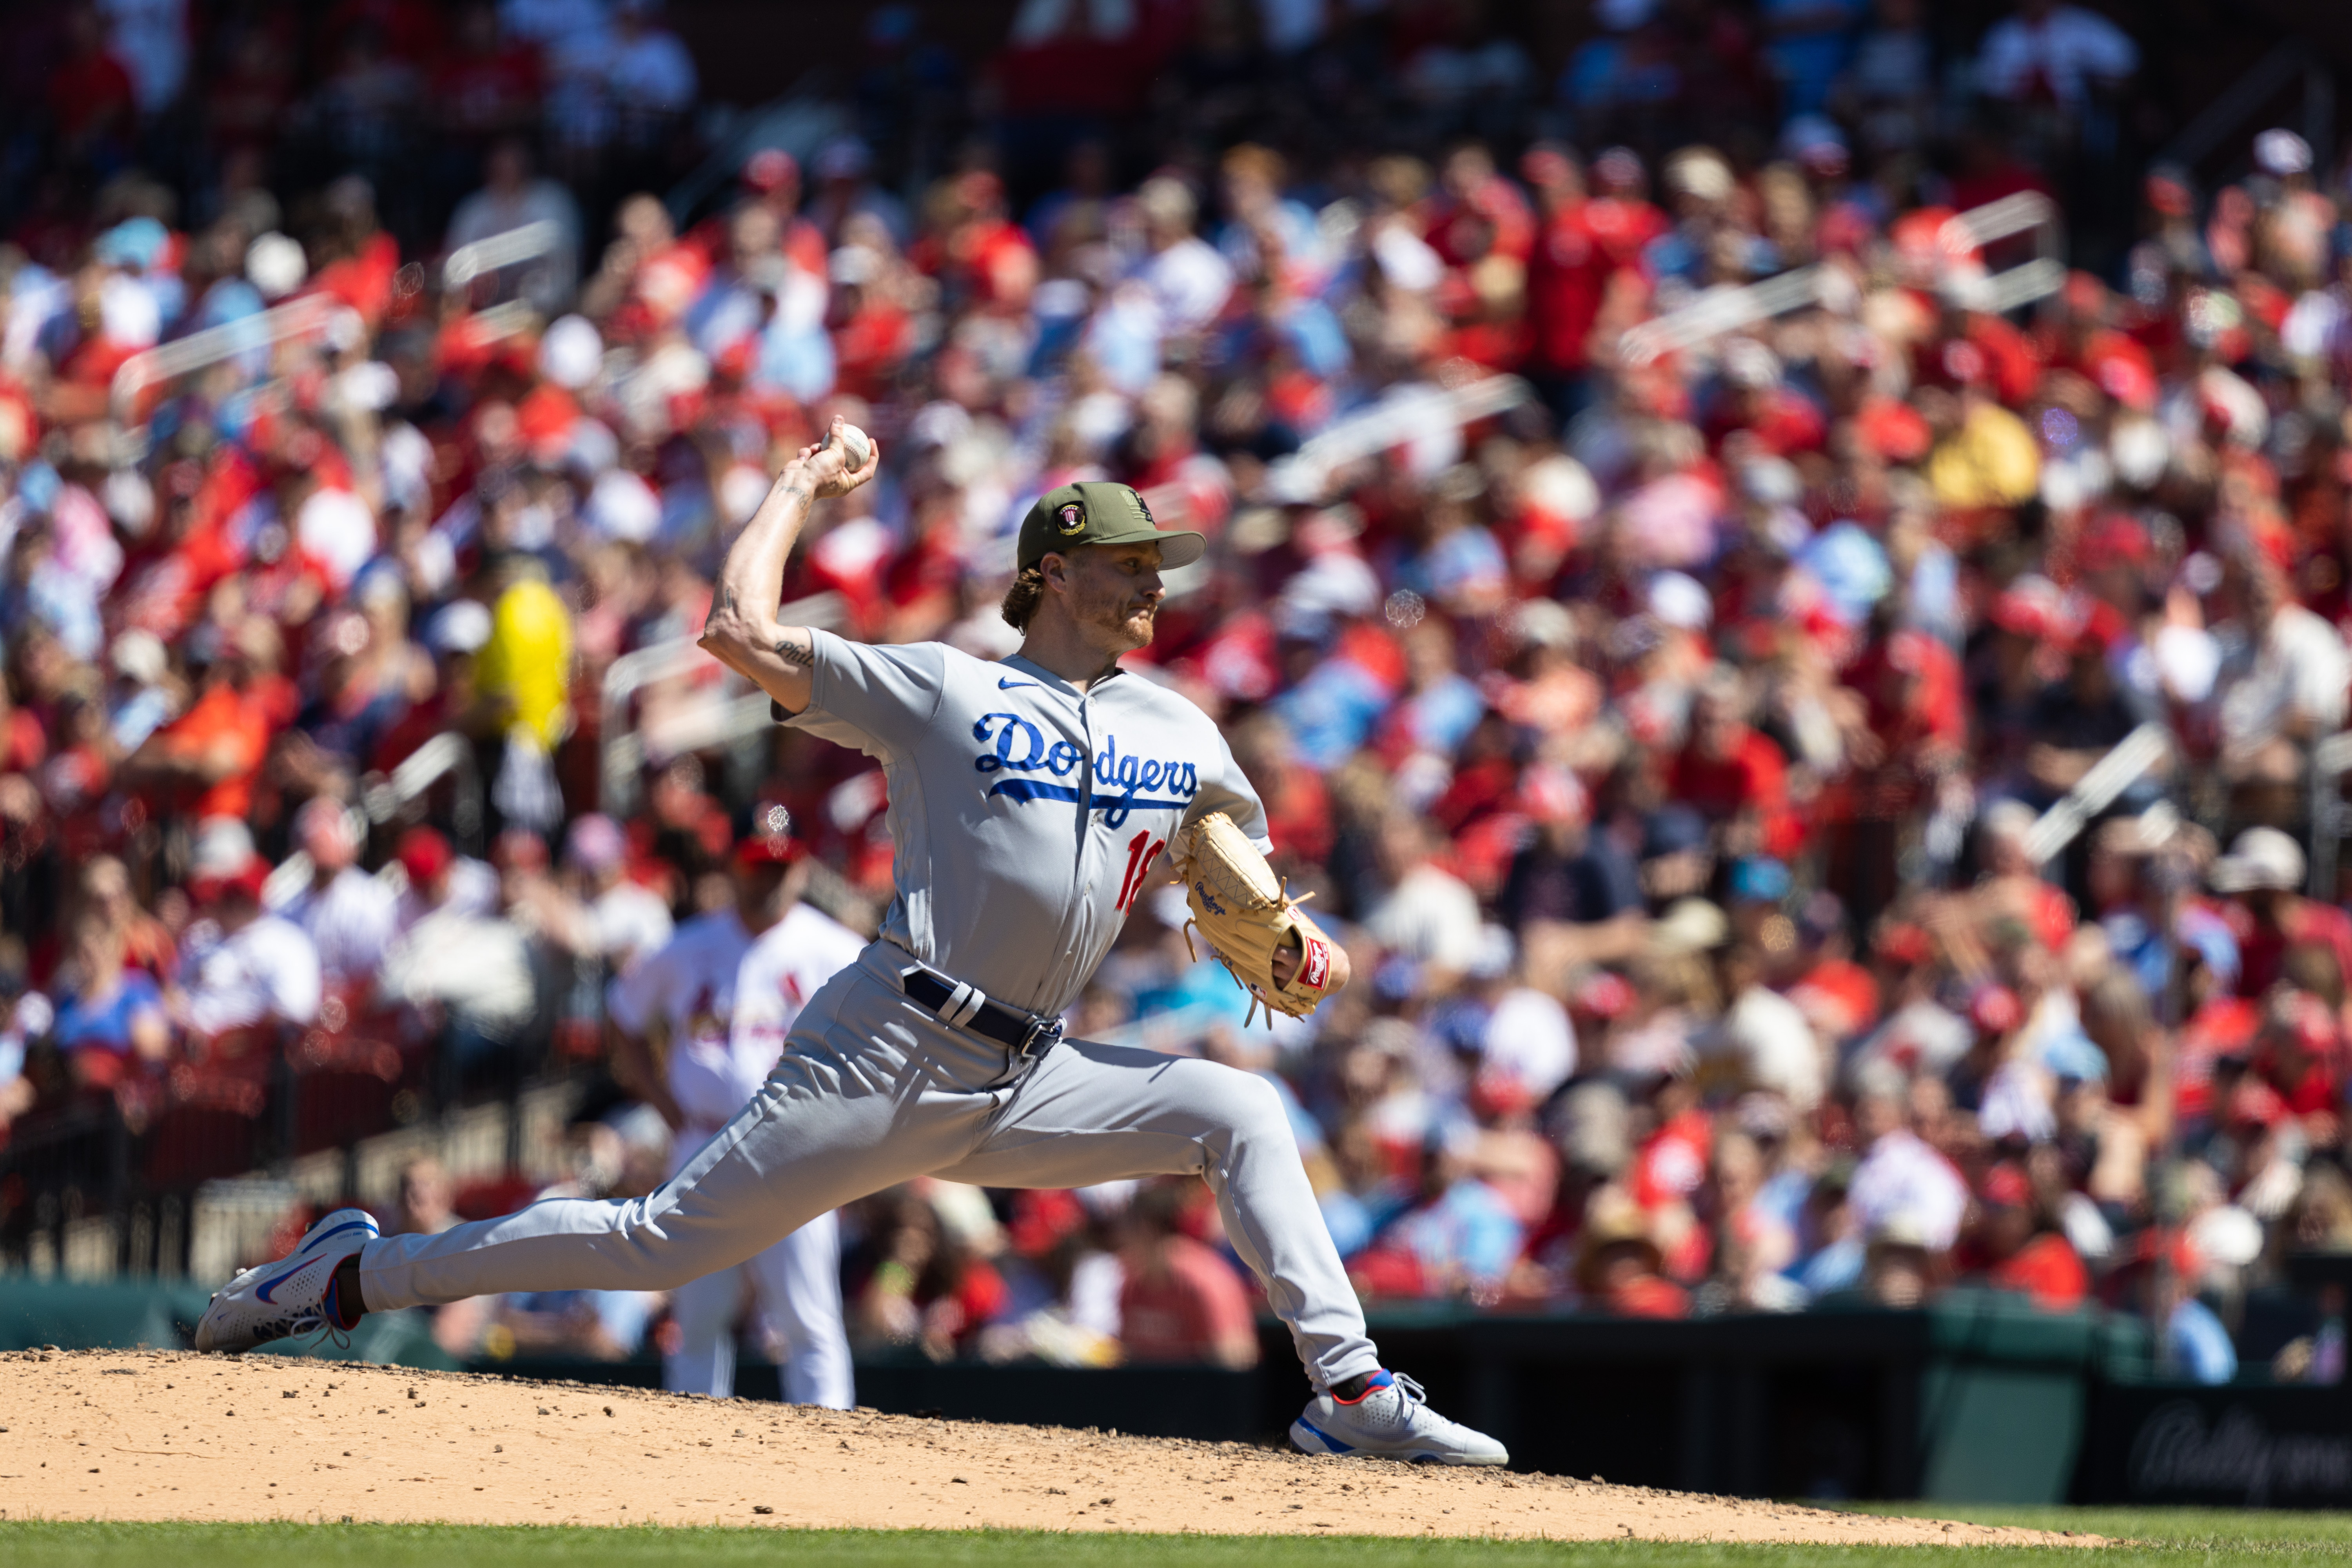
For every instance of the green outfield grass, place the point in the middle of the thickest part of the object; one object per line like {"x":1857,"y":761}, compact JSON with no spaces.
{"x":2170,"y":1534}
{"x":2161,"y":1537}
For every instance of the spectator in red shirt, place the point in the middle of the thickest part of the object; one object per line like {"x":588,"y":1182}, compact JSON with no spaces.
{"x":1618,"y":1266}
{"x":1478,"y":212}
{"x":1297,"y":803}
{"x":207,"y":758}
{"x":1181,"y":1301}
{"x":2025,"y":1247}
{"x":975,"y":250}
{"x":2298,"y":1054}
{"x":1734,"y":775}
{"x":872,"y":331}
{"x":2013,"y":884}
{"x":1837,"y":995}
{"x":1567,"y":276}
{"x":770,"y":178}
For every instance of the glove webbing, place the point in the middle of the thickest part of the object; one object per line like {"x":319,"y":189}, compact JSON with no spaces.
{"x":1256,"y":1000}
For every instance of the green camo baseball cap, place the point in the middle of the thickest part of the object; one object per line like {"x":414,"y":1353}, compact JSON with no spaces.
{"x":1097,"y":512}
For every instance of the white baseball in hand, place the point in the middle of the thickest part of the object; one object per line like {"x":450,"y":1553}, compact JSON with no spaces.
{"x":856,"y":446}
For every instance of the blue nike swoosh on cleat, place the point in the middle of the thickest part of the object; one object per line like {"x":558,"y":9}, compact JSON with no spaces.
{"x":1003,"y":685}
{"x":1336,"y":1446}
{"x":269,"y":1284}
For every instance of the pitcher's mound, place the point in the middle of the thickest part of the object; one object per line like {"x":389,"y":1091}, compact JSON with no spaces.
{"x":167,"y":1435}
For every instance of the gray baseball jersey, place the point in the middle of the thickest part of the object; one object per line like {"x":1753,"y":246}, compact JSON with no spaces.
{"x":1024,"y":814}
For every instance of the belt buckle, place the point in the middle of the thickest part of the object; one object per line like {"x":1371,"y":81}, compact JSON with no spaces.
{"x":1042,"y":1036}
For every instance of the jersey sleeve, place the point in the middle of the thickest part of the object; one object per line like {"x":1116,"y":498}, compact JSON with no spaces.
{"x":1225,"y":789}
{"x":874,"y":699}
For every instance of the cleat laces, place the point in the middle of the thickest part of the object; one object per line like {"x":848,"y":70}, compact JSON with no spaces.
{"x":1410,"y":1396}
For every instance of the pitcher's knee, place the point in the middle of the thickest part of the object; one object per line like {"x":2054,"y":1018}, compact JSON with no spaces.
{"x":1251,"y":1108}
{"x":663,"y":1260}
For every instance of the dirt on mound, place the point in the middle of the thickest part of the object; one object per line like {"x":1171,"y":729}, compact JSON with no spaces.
{"x":170,"y":1435}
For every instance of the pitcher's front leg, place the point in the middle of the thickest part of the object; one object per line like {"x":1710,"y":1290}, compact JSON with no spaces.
{"x":1091,"y":1112}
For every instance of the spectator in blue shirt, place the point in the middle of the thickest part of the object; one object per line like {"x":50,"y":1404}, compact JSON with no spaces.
{"x":109,"y":1016}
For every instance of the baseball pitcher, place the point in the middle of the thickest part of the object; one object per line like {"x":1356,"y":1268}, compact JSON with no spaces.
{"x":1029,"y":799}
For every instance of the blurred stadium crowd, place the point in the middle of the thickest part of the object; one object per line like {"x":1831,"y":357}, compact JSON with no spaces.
{"x":1668,"y":745}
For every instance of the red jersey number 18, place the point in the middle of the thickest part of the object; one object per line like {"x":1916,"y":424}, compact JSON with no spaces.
{"x":1141,"y":850}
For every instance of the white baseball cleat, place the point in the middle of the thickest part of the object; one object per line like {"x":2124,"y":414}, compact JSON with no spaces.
{"x":1391,"y":1420}
{"x":284,"y":1297}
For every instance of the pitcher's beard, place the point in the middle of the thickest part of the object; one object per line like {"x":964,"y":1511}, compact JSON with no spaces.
{"x":1130,"y":631}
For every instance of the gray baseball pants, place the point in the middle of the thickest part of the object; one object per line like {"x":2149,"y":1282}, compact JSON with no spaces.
{"x":873,"y":1089}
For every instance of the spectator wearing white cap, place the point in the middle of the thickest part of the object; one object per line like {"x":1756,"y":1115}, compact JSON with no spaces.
{"x":2281,"y":154}
{"x":241,"y":967}
{"x":623,"y":507}
{"x":571,"y":352}
{"x":348,"y":914}
{"x":2262,"y":875}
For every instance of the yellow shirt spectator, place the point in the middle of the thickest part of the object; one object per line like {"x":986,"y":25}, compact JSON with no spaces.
{"x":1991,"y":460}
{"x":527,"y":660}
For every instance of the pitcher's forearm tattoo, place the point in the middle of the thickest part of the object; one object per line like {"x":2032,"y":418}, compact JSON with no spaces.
{"x":792,"y":652}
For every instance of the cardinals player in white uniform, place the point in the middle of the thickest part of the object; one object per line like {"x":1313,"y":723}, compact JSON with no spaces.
{"x":726,"y":989}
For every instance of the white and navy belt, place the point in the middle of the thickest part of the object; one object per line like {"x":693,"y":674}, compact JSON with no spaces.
{"x":963,"y":1005}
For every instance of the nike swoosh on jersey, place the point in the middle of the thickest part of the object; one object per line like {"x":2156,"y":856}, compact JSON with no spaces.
{"x":1002,"y":685}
